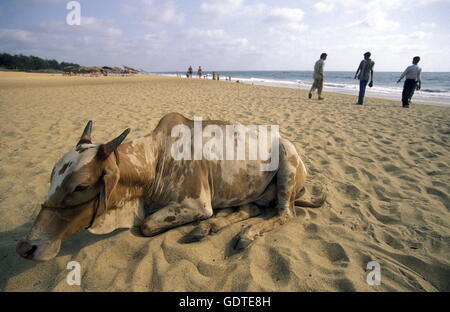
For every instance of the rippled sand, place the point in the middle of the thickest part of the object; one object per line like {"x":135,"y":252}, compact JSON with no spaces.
{"x":385,"y":168}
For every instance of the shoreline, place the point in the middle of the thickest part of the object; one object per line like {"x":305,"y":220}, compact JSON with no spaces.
{"x":325,"y":90}
{"x":418,"y":98}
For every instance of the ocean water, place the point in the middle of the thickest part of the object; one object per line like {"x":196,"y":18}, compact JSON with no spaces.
{"x":435,"y":85}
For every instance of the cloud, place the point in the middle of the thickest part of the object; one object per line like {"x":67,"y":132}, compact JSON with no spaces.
{"x":426,"y":25}
{"x":153,"y":14}
{"x":324,"y":6}
{"x":166,"y":13}
{"x":49,"y":1}
{"x":294,"y":27}
{"x":284,"y":15}
{"x":258,"y":11}
{"x":215,"y":38}
{"x":16,"y":35}
{"x":89,"y":26}
{"x":223,"y":7}
{"x":128,"y":9}
{"x":279,"y":20}
{"x":375,"y":20}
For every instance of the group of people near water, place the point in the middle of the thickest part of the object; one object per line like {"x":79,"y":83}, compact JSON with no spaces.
{"x":364,"y":74}
{"x":215,"y":76}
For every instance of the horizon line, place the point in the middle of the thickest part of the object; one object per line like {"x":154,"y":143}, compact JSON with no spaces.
{"x":291,"y":70}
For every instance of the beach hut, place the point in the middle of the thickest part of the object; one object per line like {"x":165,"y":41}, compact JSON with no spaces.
{"x":130,"y":70}
{"x":106,"y":70}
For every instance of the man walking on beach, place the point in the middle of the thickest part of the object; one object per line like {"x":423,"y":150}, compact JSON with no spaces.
{"x":318,"y":77}
{"x":199,"y":72}
{"x":412,"y":82}
{"x":364,"y":73}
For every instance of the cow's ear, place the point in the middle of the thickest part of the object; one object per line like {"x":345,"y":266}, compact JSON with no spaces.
{"x":110,"y":179}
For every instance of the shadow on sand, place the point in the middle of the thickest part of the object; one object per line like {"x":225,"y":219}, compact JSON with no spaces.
{"x":12,"y":264}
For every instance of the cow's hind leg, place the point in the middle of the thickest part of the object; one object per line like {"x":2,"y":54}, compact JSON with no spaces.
{"x":288,"y":180}
{"x":214,"y":225}
{"x":175,"y":214}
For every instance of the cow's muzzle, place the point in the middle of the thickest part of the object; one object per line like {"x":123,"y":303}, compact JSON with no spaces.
{"x":26,"y":250}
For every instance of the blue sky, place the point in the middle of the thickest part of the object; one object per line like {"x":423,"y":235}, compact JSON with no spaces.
{"x":168,"y":35}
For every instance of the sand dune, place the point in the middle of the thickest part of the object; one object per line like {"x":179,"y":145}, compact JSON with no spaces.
{"x":386,"y":171}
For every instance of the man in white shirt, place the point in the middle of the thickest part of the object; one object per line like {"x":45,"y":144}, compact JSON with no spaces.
{"x":318,"y":77}
{"x":412,"y":82}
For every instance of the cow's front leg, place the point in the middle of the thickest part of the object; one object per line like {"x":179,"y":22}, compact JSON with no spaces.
{"x":214,"y":225}
{"x":176,"y":214}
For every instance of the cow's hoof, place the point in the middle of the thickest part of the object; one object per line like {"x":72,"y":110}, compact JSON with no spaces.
{"x":195,"y":235}
{"x":242,"y":243}
{"x":147,"y":231}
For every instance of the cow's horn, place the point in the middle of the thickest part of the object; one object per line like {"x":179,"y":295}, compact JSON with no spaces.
{"x":105,"y":150}
{"x":86,"y":136}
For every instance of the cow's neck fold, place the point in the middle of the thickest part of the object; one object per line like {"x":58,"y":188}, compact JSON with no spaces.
{"x":137,"y":165}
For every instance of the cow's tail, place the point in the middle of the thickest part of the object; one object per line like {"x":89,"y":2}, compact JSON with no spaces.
{"x":316,"y":204}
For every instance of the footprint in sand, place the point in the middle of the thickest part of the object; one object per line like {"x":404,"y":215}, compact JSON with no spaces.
{"x":369,"y":175}
{"x":441,"y":196}
{"x":311,"y":228}
{"x":350,"y":170}
{"x":384,"y":158}
{"x":335,"y":253}
{"x":408,"y":178}
{"x":344,"y":284}
{"x":430,"y":155}
{"x":391,"y":241}
{"x":380,"y":191}
{"x":410,"y":186}
{"x":272,"y":265}
{"x":393,"y":169}
{"x":351,"y":191}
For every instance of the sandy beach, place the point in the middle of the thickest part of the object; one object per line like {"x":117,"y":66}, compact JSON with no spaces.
{"x":386,"y":171}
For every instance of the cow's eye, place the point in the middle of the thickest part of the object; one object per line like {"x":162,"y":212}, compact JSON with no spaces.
{"x":81,"y":188}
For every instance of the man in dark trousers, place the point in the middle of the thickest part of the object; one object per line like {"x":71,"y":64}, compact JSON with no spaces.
{"x":412,"y":82}
{"x":318,"y":77}
{"x":365,"y":74}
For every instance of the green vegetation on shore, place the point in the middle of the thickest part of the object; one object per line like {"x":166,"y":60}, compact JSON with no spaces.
{"x":32,"y":64}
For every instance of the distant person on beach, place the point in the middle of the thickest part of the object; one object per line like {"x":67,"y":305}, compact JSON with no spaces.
{"x":213,"y":76}
{"x":365,"y":74}
{"x":412,"y":81}
{"x":199,"y":72}
{"x":190,"y":72}
{"x":318,"y":77}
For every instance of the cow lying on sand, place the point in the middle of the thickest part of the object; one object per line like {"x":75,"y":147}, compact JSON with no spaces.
{"x":109,"y":186}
